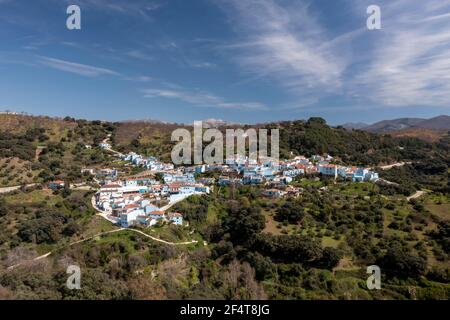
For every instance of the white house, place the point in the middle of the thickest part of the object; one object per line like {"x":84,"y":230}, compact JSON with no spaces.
{"x":328,"y":169}
{"x":127,"y":219}
{"x":175,"y":218}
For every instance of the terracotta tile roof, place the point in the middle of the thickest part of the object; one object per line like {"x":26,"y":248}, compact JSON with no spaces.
{"x":160,"y":213}
{"x":111,"y":186}
{"x":175,"y":214}
{"x":131,"y":206}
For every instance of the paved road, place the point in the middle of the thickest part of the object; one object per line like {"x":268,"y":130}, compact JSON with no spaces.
{"x":70,"y":244}
{"x":82,"y":187}
{"x":168,"y":206}
{"x":390,"y":166}
{"x":101,"y":213}
{"x":160,"y":240}
{"x":106,"y":140}
{"x":101,"y":234}
{"x":72,"y":186}
{"x":416,"y":195}
{"x":386,"y":182}
{"x":104,"y":215}
{"x":14,"y":188}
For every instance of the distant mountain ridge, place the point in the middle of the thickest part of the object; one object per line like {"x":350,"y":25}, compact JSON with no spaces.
{"x":354,"y":125}
{"x":437,"y":123}
{"x":216,"y":123}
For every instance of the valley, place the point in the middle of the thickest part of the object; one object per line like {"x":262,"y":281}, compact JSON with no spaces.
{"x":312,"y":244}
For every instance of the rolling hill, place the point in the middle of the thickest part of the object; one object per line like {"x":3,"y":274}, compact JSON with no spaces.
{"x":393,"y":125}
{"x":437,"y":123}
{"x":430,"y":130}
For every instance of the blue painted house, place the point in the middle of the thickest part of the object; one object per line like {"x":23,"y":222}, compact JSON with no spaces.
{"x":176,"y":218}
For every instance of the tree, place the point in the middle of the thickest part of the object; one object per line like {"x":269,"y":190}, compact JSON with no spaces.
{"x":46,"y":228}
{"x":264,"y":267}
{"x":289,"y":248}
{"x":330,"y":258}
{"x":291,"y":211}
{"x":403,"y":264}
{"x":243,"y":222}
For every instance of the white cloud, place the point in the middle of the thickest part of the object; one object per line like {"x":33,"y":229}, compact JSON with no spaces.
{"x":201,"y":99}
{"x":202,"y":65}
{"x":139,"y":78}
{"x":139,"y":55}
{"x":286,"y":43}
{"x":410,"y":64}
{"x":405,"y":63}
{"x":142,"y":8}
{"x":76,"y":68}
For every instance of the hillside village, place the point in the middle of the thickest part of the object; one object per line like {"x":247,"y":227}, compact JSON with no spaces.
{"x":132,"y":200}
{"x":110,"y":209}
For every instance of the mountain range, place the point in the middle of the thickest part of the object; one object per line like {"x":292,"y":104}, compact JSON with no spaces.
{"x":430,"y":130}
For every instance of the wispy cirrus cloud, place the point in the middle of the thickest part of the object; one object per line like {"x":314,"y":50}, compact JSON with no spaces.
{"x":76,"y":68}
{"x":201,"y":99}
{"x":139,"y":54}
{"x":139,"y":78}
{"x":410,"y":64}
{"x":406,"y":63}
{"x":139,"y":8}
{"x":201,"y":64}
{"x":286,"y":43}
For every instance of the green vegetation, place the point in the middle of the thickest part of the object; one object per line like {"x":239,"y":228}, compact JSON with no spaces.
{"x":428,"y":174}
{"x":57,"y":150}
{"x":315,"y":246}
{"x":39,"y":220}
{"x":355,"y":146}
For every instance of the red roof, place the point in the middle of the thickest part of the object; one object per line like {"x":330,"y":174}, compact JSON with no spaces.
{"x":176,"y":214}
{"x":160,"y":213}
{"x":111,"y":186}
{"x":177,"y":184}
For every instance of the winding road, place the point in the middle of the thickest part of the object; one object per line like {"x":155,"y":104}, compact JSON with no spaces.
{"x":99,"y":235}
{"x":416,"y":195}
{"x":101,"y":213}
{"x":70,"y":244}
{"x":390,"y":166}
{"x":104,"y":215}
{"x":14,"y":188}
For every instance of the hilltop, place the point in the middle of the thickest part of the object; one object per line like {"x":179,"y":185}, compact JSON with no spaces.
{"x":430,"y":130}
{"x":19,"y":123}
{"x":45,"y":149}
{"x":314,"y":245}
{"x":40,"y":149}
{"x":313,"y":136}
{"x":437,"y":123}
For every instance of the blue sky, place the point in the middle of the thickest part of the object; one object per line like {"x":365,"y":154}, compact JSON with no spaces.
{"x":236,"y":60}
